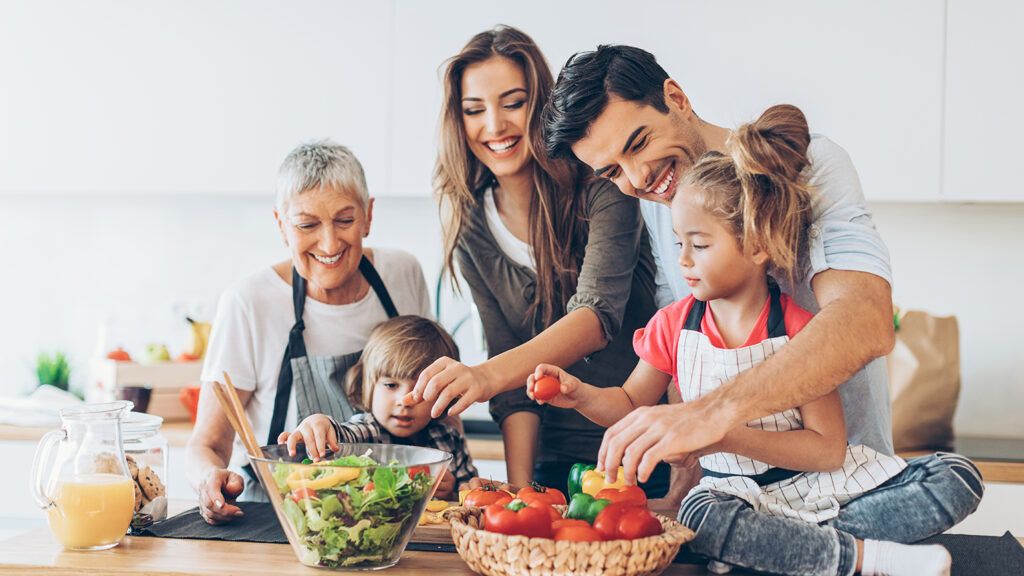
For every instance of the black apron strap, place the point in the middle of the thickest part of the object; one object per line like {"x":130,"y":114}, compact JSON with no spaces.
{"x":696,"y":314}
{"x":370,"y":273}
{"x":776,"y":321}
{"x":296,"y":349}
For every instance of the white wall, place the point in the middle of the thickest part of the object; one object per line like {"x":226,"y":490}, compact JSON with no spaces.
{"x":71,"y":261}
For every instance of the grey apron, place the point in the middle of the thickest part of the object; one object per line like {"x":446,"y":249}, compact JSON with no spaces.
{"x":319,"y":381}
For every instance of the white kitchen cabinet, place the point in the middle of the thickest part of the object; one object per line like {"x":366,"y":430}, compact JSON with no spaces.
{"x":186,"y":96}
{"x":984,"y":90}
{"x":868,"y":74}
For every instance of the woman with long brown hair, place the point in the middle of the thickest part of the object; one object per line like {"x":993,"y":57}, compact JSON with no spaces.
{"x":558,"y":263}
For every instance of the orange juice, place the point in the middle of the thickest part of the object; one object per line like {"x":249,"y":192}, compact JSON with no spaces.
{"x":92,"y":510}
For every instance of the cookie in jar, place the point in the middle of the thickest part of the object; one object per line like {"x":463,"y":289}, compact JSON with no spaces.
{"x":146,"y":452}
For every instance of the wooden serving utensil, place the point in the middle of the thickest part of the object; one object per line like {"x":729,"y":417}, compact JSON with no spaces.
{"x":227,"y":396}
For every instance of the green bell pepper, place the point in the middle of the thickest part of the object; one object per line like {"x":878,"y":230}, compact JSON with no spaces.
{"x":576,"y":477}
{"x":585,"y":507}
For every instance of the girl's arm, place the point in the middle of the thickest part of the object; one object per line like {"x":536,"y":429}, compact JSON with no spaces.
{"x":819,"y":447}
{"x":604,"y":406}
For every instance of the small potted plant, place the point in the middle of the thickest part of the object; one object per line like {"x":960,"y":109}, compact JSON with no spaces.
{"x":53,"y":370}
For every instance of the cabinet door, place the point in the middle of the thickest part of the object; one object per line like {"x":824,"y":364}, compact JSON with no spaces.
{"x":187,"y":96}
{"x":868,"y":74}
{"x":984,"y":91}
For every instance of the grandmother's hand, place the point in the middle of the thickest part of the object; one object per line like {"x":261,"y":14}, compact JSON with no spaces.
{"x":217,"y":492}
{"x":446,"y":381}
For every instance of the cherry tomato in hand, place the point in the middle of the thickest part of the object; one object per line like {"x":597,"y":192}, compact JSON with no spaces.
{"x":546,"y":387}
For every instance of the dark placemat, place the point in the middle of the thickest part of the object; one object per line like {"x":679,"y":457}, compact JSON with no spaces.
{"x":982,"y":555}
{"x":258,"y":525}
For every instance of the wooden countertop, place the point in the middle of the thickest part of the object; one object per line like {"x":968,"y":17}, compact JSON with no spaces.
{"x":39,"y":553}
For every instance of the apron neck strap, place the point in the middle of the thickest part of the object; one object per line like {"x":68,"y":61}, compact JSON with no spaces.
{"x":776,"y":320}
{"x":370,"y":273}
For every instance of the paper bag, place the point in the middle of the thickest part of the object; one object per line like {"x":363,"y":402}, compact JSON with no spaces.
{"x":924,"y":381}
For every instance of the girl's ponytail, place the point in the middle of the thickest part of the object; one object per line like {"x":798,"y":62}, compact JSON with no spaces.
{"x":770,"y":156}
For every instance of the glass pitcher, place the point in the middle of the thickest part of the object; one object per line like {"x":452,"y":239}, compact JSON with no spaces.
{"x":84,"y":485}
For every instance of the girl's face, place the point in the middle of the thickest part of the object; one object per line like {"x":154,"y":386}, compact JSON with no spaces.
{"x":324,"y":229}
{"x":494,"y":108}
{"x":714,"y":265}
{"x":387,"y":408}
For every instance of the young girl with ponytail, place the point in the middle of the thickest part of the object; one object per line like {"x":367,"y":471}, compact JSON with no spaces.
{"x":785,"y":493}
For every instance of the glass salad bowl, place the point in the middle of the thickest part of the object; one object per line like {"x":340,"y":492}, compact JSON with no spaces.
{"x":357,"y":508}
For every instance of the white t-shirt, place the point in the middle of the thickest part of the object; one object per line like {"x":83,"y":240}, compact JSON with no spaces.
{"x":513,"y":247}
{"x":254,"y":316}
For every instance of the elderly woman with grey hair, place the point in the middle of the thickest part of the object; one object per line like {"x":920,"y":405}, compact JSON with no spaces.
{"x":288,"y":332}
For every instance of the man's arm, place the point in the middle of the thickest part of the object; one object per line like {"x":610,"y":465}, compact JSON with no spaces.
{"x":853,"y":327}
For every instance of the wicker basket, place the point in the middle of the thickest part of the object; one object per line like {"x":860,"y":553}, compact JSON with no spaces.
{"x":496,"y":554}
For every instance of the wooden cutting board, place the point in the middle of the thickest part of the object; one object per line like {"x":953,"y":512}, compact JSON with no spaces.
{"x":434,"y":533}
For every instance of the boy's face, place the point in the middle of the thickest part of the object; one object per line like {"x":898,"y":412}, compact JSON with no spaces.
{"x":387,"y":408}
{"x":644,"y":151}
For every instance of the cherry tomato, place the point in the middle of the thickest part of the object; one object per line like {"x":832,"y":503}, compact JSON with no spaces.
{"x":536,"y":492}
{"x":414,"y":470}
{"x":485,"y":496}
{"x":546,"y":387}
{"x":627,"y":494}
{"x":303,"y":494}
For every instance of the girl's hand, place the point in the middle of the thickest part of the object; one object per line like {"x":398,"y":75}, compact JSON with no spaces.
{"x":569,"y":389}
{"x":316,"y":432}
{"x":447,"y":381}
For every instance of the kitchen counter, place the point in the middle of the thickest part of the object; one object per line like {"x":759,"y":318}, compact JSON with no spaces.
{"x":39,"y":553}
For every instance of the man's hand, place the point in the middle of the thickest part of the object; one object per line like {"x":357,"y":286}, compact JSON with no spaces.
{"x":652,"y":434}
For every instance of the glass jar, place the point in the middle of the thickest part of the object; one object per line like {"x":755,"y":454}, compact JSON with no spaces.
{"x":146,"y":452}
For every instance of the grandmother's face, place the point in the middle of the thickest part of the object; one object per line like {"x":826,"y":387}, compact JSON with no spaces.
{"x":324,"y":229}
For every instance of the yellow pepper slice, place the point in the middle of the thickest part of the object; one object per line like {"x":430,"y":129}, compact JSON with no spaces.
{"x":593,"y":481}
{"x":301,"y":478}
{"x":436,"y":505}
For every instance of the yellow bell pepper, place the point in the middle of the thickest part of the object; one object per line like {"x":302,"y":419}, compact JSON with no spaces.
{"x":300,"y":478}
{"x":593,"y":481}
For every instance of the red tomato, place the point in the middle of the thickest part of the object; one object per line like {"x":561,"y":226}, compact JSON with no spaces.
{"x":626,"y":521}
{"x":485,"y":496}
{"x":519,"y":520}
{"x":414,"y":470}
{"x":303,"y":494}
{"x":555,"y":516}
{"x":546,"y":387}
{"x":566,"y":523}
{"x":537,"y":493}
{"x":578,"y":533}
{"x":368,"y":487}
{"x":626,"y":494}
{"x":120,"y":355}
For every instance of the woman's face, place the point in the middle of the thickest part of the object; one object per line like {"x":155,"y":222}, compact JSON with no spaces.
{"x":494,"y":108}
{"x":389,"y":411}
{"x":324,"y":229}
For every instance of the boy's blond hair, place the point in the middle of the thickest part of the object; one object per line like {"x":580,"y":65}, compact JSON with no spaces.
{"x":400,"y":348}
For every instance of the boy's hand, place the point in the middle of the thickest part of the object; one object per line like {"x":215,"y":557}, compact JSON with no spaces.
{"x":446,"y":489}
{"x":569,"y":387}
{"x":316,"y":432}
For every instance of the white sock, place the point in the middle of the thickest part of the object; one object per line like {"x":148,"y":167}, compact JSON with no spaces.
{"x":716,"y":567}
{"x":883,"y":558}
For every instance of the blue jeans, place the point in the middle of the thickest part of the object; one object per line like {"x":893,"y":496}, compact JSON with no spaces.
{"x":928,"y":497}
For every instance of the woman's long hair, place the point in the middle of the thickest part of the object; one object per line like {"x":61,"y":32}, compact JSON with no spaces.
{"x":557,"y":233}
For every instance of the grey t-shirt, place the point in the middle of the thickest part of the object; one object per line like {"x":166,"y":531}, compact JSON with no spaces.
{"x":842,"y":237}
{"x":616,"y":281}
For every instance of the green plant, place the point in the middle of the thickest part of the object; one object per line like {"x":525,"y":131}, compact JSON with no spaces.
{"x":53,"y":370}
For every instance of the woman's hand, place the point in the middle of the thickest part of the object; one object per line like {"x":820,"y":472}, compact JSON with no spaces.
{"x":316,"y":432}
{"x":569,"y":391}
{"x":447,"y":381}
{"x":217,"y":491}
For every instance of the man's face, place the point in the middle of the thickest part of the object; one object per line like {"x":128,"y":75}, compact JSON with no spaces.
{"x":642,"y":150}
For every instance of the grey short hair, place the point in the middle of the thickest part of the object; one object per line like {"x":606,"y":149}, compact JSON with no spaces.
{"x":320,"y":163}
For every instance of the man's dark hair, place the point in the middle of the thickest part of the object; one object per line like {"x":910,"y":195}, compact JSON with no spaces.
{"x":583,"y":86}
